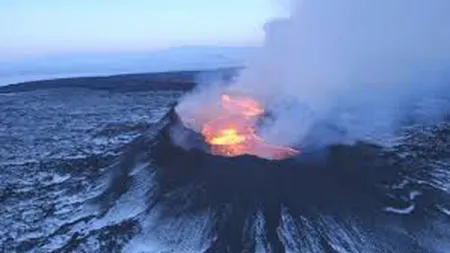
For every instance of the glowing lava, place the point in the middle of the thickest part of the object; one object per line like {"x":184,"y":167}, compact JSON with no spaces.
{"x":227,"y":137}
{"x":233,"y":132}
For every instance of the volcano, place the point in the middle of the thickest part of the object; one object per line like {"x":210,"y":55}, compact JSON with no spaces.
{"x":155,"y":184}
{"x":338,"y":199}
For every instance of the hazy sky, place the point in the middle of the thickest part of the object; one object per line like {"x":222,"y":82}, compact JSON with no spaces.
{"x":43,"y":27}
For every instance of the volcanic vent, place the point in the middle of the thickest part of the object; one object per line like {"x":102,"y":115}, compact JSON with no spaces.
{"x":231,"y":129}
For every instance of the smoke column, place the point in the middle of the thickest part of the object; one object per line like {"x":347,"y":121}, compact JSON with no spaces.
{"x":344,"y":70}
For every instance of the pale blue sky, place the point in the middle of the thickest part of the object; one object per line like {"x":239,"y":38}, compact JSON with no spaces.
{"x":47,"y":27}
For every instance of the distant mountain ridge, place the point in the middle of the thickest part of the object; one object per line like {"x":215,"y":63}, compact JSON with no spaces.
{"x":171,"y":59}
{"x":174,"y":80}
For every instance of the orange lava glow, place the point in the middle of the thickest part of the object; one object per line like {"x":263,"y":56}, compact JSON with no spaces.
{"x":233,"y":132}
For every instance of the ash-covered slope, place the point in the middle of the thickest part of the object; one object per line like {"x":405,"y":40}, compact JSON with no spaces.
{"x":154,"y":196}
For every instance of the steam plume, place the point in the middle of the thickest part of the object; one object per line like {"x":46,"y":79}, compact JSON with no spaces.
{"x":343,"y":70}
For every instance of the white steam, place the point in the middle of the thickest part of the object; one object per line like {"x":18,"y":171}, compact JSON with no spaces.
{"x":349,"y":69}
